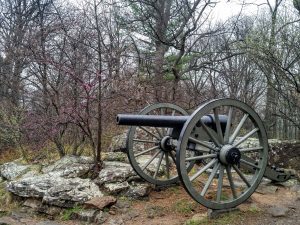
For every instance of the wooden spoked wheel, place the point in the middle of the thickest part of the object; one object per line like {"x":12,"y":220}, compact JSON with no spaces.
{"x":147,"y":151}
{"x":235,"y":155}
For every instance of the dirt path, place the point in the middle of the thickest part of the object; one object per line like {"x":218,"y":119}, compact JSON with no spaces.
{"x":173,"y":206}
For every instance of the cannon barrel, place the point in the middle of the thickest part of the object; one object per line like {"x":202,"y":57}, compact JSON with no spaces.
{"x":166,"y":121}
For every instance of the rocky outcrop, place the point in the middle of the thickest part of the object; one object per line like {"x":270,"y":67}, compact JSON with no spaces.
{"x":118,"y":143}
{"x":62,"y":185}
{"x":101,"y":202}
{"x":138,"y":190}
{"x":143,"y":159}
{"x":37,"y":206}
{"x":66,"y":184}
{"x":114,"y":172}
{"x":55,"y":190}
{"x":115,"y":156}
{"x":70,"y":167}
{"x":13,"y":170}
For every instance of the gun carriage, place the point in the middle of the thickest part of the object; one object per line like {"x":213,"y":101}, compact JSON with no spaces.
{"x":219,"y":152}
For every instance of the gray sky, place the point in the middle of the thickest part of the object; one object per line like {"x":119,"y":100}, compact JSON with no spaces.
{"x":226,"y":9}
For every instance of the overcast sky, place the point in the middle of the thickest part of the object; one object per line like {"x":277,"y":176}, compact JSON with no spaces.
{"x":226,"y":9}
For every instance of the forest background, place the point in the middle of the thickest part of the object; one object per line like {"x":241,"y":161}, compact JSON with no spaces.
{"x":67,"y":68}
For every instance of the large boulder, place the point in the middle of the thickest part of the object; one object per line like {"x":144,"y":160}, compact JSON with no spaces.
{"x":151,"y":168}
{"x":70,"y":167}
{"x":55,"y":190}
{"x":138,"y":190}
{"x":115,"y":156}
{"x":13,"y":170}
{"x":114,"y":172}
{"x":118,"y":143}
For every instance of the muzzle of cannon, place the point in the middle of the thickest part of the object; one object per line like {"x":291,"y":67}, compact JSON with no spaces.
{"x":219,"y":152}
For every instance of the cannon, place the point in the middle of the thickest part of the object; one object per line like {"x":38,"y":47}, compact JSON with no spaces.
{"x":219,"y":152}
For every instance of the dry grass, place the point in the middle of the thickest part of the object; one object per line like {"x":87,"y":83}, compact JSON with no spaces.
{"x":9,"y":155}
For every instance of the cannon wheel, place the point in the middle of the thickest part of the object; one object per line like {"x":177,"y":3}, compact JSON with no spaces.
{"x":236,"y":168}
{"x":144,"y":148}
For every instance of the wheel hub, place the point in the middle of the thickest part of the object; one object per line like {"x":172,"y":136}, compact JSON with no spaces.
{"x":230,"y":155}
{"x":165,"y":144}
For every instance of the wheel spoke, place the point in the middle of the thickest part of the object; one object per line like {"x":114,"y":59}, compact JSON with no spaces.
{"x":218,"y":125}
{"x":173,"y":157}
{"x":147,"y":131}
{"x":158,"y":164}
{"x":201,"y":157}
{"x":210,"y":134}
{"x":150,"y":160}
{"x":220,"y":183}
{"x":159,"y":132}
{"x":228,"y":125}
{"x":251,"y":149}
{"x":238,"y":128}
{"x":228,"y":171}
{"x":206,"y":167}
{"x":167,"y":165}
{"x":145,"y":141}
{"x":146,"y":151}
{"x":202,"y":144}
{"x":245,"y":137}
{"x":241,"y":175}
{"x":249,"y":164}
{"x":211,"y":177}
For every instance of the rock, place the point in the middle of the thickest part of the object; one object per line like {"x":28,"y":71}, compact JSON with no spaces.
{"x":114,"y":172}
{"x":12,"y":170}
{"x":130,"y":215}
{"x":118,"y":143}
{"x":115,"y":156}
{"x":31,"y":173}
{"x":199,"y":216}
{"x":266,"y":189}
{"x":112,"y":212}
{"x":87,"y":215}
{"x":114,"y":188}
{"x":289,"y":183}
{"x":5,"y":220}
{"x":285,"y":154}
{"x":154,"y":211}
{"x":138,"y":190}
{"x":295,"y":188}
{"x":1,"y":179}
{"x":35,"y":187}
{"x":278,"y":211}
{"x":48,"y":222}
{"x":122,"y":205}
{"x":38,"y":206}
{"x":54,"y":190}
{"x":72,"y":191}
{"x":101,"y":202}
{"x":115,"y":221}
{"x":214,"y":214}
{"x":196,"y":219}
{"x":18,"y":215}
{"x":100,"y":217}
{"x":151,"y":168}
{"x":70,"y":167}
